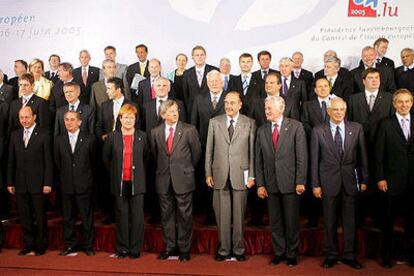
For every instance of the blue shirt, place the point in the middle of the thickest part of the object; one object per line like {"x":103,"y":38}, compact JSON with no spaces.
{"x":341,"y":125}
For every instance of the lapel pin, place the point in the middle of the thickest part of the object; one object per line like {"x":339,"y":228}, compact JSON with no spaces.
{"x":350,"y":133}
{"x":139,"y":138}
{"x":286,"y":129}
{"x":81,"y":139}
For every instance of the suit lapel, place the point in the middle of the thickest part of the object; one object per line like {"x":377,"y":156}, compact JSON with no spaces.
{"x":317,"y":110}
{"x":33,"y":137}
{"x":224,"y":130}
{"x":283,"y":129}
{"x":79,"y":142}
{"x":268,"y":135}
{"x":398,"y":127}
{"x":161,"y":137}
{"x":177,"y":135}
{"x":349,"y":138}
{"x":377,"y":102}
{"x":239,"y":126}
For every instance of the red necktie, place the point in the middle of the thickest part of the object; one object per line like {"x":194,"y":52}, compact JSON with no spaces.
{"x":170,"y":140}
{"x":152,"y":91}
{"x":84,"y":76}
{"x":275,"y":136}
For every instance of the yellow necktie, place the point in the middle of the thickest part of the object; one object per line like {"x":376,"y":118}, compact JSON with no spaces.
{"x":142,"y":68}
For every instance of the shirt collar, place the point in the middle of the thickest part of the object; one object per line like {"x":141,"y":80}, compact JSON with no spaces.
{"x":202,"y":68}
{"x":76,"y":104}
{"x":234,"y":119}
{"x":248,"y":75}
{"x":218,"y":95}
{"x":167,"y":126}
{"x":162,"y":99}
{"x":400,"y":117}
{"x":28,"y":97}
{"x":409,"y":67}
{"x":278,"y":122}
{"x":333,"y":125}
{"x":74,"y":134}
{"x":31,"y":128}
{"x":120,"y":100}
{"x":368,"y":94}
{"x":327,"y":99}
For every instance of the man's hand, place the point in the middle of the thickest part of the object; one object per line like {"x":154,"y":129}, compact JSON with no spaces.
{"x":383,"y":185}
{"x":261,"y":192}
{"x":363,"y":187}
{"x":250,"y":183}
{"x":317,"y":192}
{"x":210,"y":181}
{"x":300,"y":189}
{"x":47,"y":189}
{"x":104,"y":137}
{"x":11,"y":189}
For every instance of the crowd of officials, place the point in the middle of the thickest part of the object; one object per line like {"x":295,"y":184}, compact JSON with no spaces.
{"x":335,"y":144}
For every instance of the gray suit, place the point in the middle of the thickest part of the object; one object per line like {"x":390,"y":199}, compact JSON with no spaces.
{"x":227,"y":161}
{"x":99,"y":95}
{"x":175,"y":182}
{"x":280,"y":172}
{"x":120,"y":71}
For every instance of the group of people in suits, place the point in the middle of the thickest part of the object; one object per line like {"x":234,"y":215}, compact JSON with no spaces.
{"x":234,"y":142}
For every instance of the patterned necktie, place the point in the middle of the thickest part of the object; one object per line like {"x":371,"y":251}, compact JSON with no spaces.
{"x":152,"y":90}
{"x":84,"y":76}
{"x":226,"y":83}
{"x":231,"y":129}
{"x":338,"y":142}
{"x":275,"y":136}
{"x":170,"y":140}
{"x":406,"y":129}
{"x":245,"y":85}
{"x":199,"y":77}
{"x":72,"y":107}
{"x":324,"y":111}
{"x":72,"y":142}
{"x":264,"y":74}
{"x":330,"y":83}
{"x":371,"y":102}
{"x":285,"y":87}
{"x":25,"y":101}
{"x":214,"y":102}
{"x":26,"y":137}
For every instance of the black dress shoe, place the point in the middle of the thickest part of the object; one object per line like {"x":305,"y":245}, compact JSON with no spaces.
{"x":25,"y":251}
{"x":329,"y":262}
{"x":220,"y":258}
{"x":352,"y":263}
{"x":67,"y":251}
{"x":184,"y":257}
{"x":240,"y":258}
{"x":291,"y":261}
{"x":40,"y":252}
{"x":120,"y":255}
{"x":277,"y":260}
{"x":386,"y":263}
{"x":134,"y":255}
{"x":89,"y":252}
{"x":165,"y":255}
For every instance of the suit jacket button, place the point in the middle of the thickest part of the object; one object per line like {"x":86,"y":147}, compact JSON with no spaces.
{"x":133,"y":167}
{"x":73,"y":165}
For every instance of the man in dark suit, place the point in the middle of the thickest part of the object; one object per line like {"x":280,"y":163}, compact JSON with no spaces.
{"x":20,"y":67}
{"x":281,"y":161}
{"x":6,"y":90}
{"x":205,"y":107}
{"x":3,"y":137}
{"x":225,"y":69}
{"x":264,"y":58}
{"x":146,"y":88}
{"x":381,"y":47}
{"x":194,"y":78}
{"x":28,"y":98}
{"x":57,"y":97}
{"x":85,"y":75}
{"x":394,"y":174}
{"x":404,"y":74}
{"x":301,"y":73}
{"x":291,"y":87}
{"x":53,"y":74}
{"x":343,"y":72}
{"x":75,"y":153}
{"x":140,"y":67}
{"x":339,"y":170}
{"x":30,"y":177}
{"x":177,"y":150}
{"x":368,"y":60}
{"x":273,"y":85}
{"x":229,"y":169}
{"x":246,"y":84}
{"x":368,"y":108}
{"x":86,"y":112}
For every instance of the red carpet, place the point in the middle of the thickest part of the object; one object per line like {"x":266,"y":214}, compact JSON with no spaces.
{"x":101,"y":264}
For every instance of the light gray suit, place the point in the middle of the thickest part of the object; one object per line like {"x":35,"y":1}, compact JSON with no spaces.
{"x":226,"y":162}
{"x":99,"y":95}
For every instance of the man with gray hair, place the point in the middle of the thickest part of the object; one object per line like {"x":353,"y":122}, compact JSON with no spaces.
{"x":404,"y":75}
{"x":343,"y":72}
{"x":225,"y":68}
{"x":281,"y":159}
{"x":368,"y":58}
{"x":6,"y":90}
{"x":291,"y":87}
{"x":339,"y":171}
{"x":85,"y":75}
{"x":337,"y":83}
{"x":301,"y":73}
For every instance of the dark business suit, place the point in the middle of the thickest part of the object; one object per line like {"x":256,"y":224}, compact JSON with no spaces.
{"x":297,"y":91}
{"x":404,"y":78}
{"x":175,"y":182}
{"x":144,"y":92}
{"x":260,"y":77}
{"x":339,"y":177}
{"x":257,"y":112}
{"x":150,"y":119}
{"x":253,"y":92}
{"x":394,"y":160}
{"x":135,"y":68}
{"x":76,"y":178}
{"x":341,"y":88}
{"x":191,"y":88}
{"x":312,"y":116}
{"x":87,"y":114}
{"x":387,"y":79}
{"x":39,"y":106}
{"x":15,"y":83}
{"x":384,"y":61}
{"x":129,"y":209}
{"x":307,"y":77}
{"x":343,"y":72}
{"x":6,"y":93}
{"x":49,"y":76}
{"x":279,"y":171}
{"x":3,"y":135}
{"x":93,"y":76}
{"x":29,"y":169}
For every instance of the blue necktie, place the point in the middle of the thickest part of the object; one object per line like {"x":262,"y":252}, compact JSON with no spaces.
{"x":245,"y":85}
{"x":226,"y":83}
{"x":338,"y":142}
{"x":285,"y":87}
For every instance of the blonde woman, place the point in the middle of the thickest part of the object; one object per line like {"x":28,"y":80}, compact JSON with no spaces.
{"x":43,"y":86}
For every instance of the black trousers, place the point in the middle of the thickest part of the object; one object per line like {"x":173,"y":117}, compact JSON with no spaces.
{"x":332,"y":205}
{"x":177,"y":209}
{"x":83,"y":203}
{"x":129,"y":223}
{"x":31,"y":209}
{"x":284,"y":223}
{"x":395,"y":205}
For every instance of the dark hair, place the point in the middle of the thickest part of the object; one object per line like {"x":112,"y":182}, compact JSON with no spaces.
{"x":78,"y":116}
{"x":275,"y":74}
{"x":24,"y":63}
{"x":28,"y":77}
{"x":110,"y":48}
{"x":72,"y":84}
{"x":198,"y":47}
{"x":117,"y":82}
{"x":264,"y":53}
{"x":245,"y":55}
{"x":142,"y":46}
{"x":370,"y":71}
{"x":54,"y":55}
{"x":380,"y":40}
{"x":67,"y":67}
{"x":317,"y":79}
